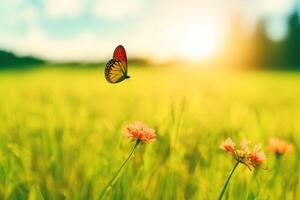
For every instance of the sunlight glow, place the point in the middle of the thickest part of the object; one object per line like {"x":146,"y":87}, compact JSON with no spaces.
{"x":201,"y":41}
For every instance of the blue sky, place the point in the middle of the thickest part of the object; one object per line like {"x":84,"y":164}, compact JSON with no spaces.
{"x":90,"y":29}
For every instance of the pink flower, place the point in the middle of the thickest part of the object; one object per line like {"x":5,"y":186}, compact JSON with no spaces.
{"x":228,"y":145}
{"x":257,"y":156}
{"x":279,"y":146}
{"x":140,"y":131}
{"x":244,"y":155}
{"x":244,"y":145}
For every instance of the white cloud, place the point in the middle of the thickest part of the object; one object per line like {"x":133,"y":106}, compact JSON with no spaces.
{"x":29,"y":15}
{"x":64,"y":8}
{"x":116,"y":9}
{"x":87,"y":46}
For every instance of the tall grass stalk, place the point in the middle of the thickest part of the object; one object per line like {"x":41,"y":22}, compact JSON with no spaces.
{"x":228,"y":179}
{"x":115,"y":177}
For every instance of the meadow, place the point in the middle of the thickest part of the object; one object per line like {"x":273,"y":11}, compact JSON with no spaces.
{"x":62,"y":133}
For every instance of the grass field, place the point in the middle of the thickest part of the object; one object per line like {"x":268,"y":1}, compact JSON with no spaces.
{"x":62,"y":133}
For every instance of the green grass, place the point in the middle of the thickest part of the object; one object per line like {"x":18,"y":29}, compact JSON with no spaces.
{"x":61,"y":133}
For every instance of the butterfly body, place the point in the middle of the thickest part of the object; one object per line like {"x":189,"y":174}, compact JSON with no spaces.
{"x":116,"y":68}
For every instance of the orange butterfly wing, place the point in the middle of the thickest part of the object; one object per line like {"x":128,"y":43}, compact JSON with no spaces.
{"x":114,"y":72}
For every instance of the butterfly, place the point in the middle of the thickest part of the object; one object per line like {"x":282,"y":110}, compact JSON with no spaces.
{"x":116,"y":68}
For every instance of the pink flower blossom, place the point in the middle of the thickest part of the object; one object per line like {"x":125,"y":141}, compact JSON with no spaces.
{"x":243,"y":155}
{"x":228,"y":145}
{"x":244,"y":145}
{"x":279,"y":146}
{"x":140,"y":131}
{"x":257,"y":156}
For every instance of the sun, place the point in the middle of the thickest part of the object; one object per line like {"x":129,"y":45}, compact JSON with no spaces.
{"x":191,"y":39}
{"x":200,"y":41}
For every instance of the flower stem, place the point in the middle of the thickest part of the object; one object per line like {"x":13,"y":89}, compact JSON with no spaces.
{"x":114,"y":178}
{"x":227,"y":181}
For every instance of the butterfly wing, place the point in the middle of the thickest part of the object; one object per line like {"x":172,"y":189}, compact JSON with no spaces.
{"x":120,"y":55}
{"x":114,"y":71}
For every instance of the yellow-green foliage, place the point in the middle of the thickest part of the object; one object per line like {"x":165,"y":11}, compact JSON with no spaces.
{"x":61,"y":133}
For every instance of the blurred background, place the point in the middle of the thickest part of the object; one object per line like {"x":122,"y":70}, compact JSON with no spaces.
{"x":201,"y":71}
{"x":233,"y":33}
